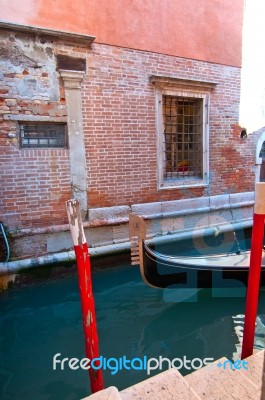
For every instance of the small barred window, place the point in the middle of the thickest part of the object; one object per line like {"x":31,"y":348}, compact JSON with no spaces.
{"x":183,"y":137}
{"x":39,"y":135}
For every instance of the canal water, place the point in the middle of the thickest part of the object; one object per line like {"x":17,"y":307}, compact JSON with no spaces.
{"x":41,"y":317}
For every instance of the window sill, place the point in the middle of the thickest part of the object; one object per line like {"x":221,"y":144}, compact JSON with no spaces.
{"x":182,"y":184}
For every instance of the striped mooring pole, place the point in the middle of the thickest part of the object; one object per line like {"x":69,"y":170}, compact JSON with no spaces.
{"x":252,"y":297}
{"x":85,"y":289}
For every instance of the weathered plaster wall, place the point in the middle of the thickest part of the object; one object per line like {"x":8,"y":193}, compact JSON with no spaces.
{"x":34,"y":182}
{"x":208,"y":30}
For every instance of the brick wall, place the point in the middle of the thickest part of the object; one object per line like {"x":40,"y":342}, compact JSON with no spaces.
{"x":119,"y":128}
{"x":119,"y":123}
{"x":34,"y":182}
{"x":35,"y":186}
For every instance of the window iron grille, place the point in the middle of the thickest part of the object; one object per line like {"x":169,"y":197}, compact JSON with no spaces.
{"x":43,"y":135}
{"x":183,"y":128}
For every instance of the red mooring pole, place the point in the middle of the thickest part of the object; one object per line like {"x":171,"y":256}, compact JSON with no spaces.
{"x":85,"y":288}
{"x":254,"y":271}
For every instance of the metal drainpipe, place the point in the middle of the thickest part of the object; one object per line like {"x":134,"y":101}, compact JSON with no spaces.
{"x":6,"y":242}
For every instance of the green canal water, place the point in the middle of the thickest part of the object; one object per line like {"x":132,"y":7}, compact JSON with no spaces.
{"x":42,"y":318}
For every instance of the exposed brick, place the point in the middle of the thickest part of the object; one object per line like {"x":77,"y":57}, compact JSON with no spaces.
{"x":119,"y":125}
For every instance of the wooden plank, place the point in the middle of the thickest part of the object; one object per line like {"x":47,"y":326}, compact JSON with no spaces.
{"x":137,"y":226}
{"x":135,"y":260}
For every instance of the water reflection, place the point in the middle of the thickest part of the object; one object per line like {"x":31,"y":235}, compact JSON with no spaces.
{"x":43,"y":319}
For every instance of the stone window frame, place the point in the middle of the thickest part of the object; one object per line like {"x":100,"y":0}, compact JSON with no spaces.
{"x":21,"y":119}
{"x":43,"y":142}
{"x":180,"y":87}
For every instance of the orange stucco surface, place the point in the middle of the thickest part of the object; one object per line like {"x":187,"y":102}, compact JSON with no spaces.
{"x":208,"y":30}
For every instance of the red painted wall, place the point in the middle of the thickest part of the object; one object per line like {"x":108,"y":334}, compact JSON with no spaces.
{"x":208,"y":30}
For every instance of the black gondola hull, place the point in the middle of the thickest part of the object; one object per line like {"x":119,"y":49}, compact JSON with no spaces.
{"x":159,"y":273}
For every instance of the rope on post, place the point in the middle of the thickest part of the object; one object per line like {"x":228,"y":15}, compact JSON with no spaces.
{"x":252,"y":297}
{"x":85,"y":289}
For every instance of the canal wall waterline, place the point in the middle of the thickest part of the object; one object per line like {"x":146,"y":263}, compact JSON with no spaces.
{"x":107,"y":229}
{"x":58,"y":258}
{"x":9,"y":268}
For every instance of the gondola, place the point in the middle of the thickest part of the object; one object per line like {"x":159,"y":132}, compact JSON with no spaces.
{"x":225,"y":270}
{"x":209,"y":271}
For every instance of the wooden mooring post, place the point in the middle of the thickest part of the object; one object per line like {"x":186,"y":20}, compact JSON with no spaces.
{"x":86,"y":293}
{"x":137,"y":233}
{"x":254,"y":271}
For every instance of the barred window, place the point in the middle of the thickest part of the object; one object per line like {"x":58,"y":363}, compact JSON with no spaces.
{"x":182,"y":127}
{"x":39,"y":135}
{"x":183,"y":137}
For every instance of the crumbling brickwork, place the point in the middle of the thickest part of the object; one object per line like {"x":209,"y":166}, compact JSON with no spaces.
{"x":34,"y":182}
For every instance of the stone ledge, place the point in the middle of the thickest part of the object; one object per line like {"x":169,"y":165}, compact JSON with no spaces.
{"x":173,"y":208}
{"x":119,"y":215}
{"x":109,"y":213}
{"x":54,"y":34}
{"x":178,"y":82}
{"x":33,"y":118}
{"x":242,"y":197}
